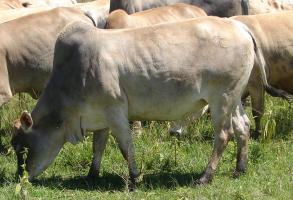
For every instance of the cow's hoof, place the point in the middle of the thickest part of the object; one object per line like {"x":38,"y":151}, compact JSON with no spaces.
{"x":238,"y":173}
{"x":203,"y":180}
{"x":131,"y":187}
{"x":93,"y":176}
{"x":255,"y":134}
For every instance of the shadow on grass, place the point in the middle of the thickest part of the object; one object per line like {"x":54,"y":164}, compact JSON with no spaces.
{"x":112,"y":182}
{"x":284,"y":125}
{"x":3,"y":147}
{"x":169,"y":180}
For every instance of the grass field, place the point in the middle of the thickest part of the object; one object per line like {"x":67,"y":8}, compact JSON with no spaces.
{"x":168,"y":166}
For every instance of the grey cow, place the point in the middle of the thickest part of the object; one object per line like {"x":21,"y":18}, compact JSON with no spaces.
{"x":221,"y":8}
{"x":101,"y":79}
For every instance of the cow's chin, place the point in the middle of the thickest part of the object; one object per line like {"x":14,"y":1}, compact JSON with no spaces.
{"x":43,"y":155}
{"x":41,"y":163}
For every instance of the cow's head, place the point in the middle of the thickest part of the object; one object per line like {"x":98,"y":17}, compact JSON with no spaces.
{"x":36,"y":146}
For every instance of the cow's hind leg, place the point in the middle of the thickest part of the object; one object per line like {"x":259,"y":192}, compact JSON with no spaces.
{"x":5,"y":92}
{"x":100,"y":139}
{"x":119,"y":124}
{"x":222,"y":120}
{"x":257,"y":104}
{"x":241,"y":130}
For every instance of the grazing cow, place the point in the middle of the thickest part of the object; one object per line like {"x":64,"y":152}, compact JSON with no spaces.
{"x":155,"y":69}
{"x":26,"y":57}
{"x":10,"y":4}
{"x":120,"y":19}
{"x":274,"y":34}
{"x":221,"y":8}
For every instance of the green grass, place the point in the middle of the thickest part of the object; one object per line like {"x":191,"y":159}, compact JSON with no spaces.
{"x":168,"y":167}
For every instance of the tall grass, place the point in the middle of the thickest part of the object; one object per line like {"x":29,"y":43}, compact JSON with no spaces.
{"x":168,"y":166}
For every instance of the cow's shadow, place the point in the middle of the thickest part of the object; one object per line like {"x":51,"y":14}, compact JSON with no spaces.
{"x":113,"y":182}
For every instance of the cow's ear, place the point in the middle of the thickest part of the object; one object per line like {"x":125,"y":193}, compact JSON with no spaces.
{"x":26,"y":120}
{"x":26,"y":4}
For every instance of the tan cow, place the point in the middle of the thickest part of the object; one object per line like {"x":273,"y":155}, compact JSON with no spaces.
{"x":267,"y":6}
{"x":9,"y":15}
{"x":33,"y":41}
{"x":98,"y":11}
{"x":10,"y":4}
{"x":274,"y":34}
{"x":53,"y":3}
{"x":120,"y":19}
{"x":27,"y":56}
{"x":101,"y":79}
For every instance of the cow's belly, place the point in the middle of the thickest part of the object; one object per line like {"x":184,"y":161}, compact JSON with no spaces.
{"x":281,"y":73}
{"x":163,"y":100}
{"x":164,"y":109}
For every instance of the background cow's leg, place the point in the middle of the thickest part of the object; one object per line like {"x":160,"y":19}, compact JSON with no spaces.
{"x":257,"y":104}
{"x":180,"y":126}
{"x":241,"y":129}
{"x":5,"y":92}
{"x":119,"y":125}
{"x":222,"y":120}
{"x":100,"y":139}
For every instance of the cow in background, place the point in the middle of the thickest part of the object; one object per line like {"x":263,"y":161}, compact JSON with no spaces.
{"x":221,"y":8}
{"x":10,"y":4}
{"x":274,"y":34}
{"x":52,"y":3}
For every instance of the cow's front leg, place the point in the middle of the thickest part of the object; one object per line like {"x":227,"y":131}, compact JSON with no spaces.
{"x":257,"y":104}
{"x":100,"y":139}
{"x":119,"y":125}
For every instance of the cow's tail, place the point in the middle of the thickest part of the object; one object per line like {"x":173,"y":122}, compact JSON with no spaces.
{"x":244,"y":7}
{"x":261,"y":63}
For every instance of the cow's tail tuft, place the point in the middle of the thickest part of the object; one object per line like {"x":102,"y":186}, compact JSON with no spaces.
{"x":244,"y":7}
{"x":261,"y":63}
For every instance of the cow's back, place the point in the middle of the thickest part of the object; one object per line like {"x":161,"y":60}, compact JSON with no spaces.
{"x":162,"y":67}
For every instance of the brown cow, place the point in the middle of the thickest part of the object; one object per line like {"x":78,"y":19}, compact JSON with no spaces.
{"x":120,"y":19}
{"x":274,"y":34}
